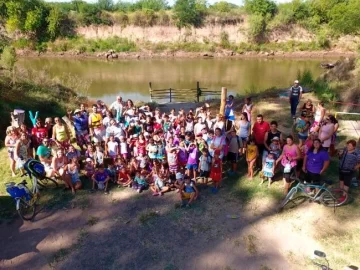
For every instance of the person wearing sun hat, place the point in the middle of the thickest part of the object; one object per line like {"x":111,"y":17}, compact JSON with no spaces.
{"x":81,"y":127}
{"x":295,"y":94}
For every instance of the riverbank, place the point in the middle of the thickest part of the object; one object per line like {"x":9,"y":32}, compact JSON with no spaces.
{"x":186,"y":54}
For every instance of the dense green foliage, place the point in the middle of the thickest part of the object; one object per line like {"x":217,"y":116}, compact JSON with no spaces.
{"x":36,"y":22}
{"x":8,"y":58}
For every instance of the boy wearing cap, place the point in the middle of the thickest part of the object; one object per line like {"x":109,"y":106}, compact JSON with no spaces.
{"x":295,"y":97}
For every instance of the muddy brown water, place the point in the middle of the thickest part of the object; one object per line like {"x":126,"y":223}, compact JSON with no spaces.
{"x":130,"y":78}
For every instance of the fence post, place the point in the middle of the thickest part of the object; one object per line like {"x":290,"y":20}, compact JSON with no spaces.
{"x":198,"y":91}
{"x":223,"y":100}
{"x":170,"y":95}
{"x":150,"y":90}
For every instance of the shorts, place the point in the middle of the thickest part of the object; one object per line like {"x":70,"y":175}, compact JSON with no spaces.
{"x":82,"y":137}
{"x":302,"y":137}
{"x":286,"y":176}
{"x":346,"y":177}
{"x":261,"y":149}
{"x":64,"y":144}
{"x":99,"y":135}
{"x":187,"y":196}
{"x":11,"y":154}
{"x":205,"y":174}
{"x":191,"y":166}
{"x":313,"y":178}
{"x":75,"y":178}
{"x":232,"y":157}
{"x":299,"y":164}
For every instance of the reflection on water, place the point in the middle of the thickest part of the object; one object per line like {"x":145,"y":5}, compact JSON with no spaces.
{"x":130,"y":78}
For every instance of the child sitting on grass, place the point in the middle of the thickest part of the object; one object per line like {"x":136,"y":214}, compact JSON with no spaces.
{"x":139,"y":183}
{"x":188,"y":192}
{"x":179,"y":181}
{"x":124,"y":179}
{"x":159,"y":187}
{"x":101,"y":179}
{"x":89,"y":167}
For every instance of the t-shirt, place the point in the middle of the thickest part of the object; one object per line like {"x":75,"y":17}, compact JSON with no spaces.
{"x":259,"y":131}
{"x":244,"y":129}
{"x":40,"y":134}
{"x":112,"y":146}
{"x":80,"y":123}
{"x":189,"y":188}
{"x":43,"y":151}
{"x":295,"y":92}
{"x":101,"y":176}
{"x":71,"y":155}
{"x":117,"y":131}
{"x":192,"y":156}
{"x":140,"y":181}
{"x":315,"y":162}
{"x":205,"y":163}
{"x":235,"y":144}
{"x":349,"y":160}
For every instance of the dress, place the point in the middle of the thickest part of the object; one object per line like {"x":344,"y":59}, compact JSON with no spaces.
{"x":216,"y":171}
{"x":268,"y":168}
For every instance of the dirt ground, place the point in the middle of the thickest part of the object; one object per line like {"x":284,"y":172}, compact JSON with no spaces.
{"x":127,"y":230}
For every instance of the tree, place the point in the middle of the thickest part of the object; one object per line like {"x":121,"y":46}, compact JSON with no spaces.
{"x":262,"y":7}
{"x":223,"y":6}
{"x":186,"y":14}
{"x":33,"y":20}
{"x":257,"y":27}
{"x":106,"y":5}
{"x":15,"y":16}
{"x":344,"y":17}
{"x":53,"y":21}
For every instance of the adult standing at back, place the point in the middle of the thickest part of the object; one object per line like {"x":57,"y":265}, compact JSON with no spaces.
{"x":259,"y":130}
{"x":117,"y":108}
{"x":269,"y":136}
{"x":295,"y":94}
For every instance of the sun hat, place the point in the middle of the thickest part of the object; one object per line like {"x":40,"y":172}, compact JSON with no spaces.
{"x":296,"y":81}
{"x":275,"y":139}
{"x":77,"y":111}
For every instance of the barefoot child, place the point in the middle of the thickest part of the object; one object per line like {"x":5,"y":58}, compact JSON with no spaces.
{"x":139,"y":183}
{"x":159,"y":187}
{"x":216,"y":171}
{"x":101,"y":179}
{"x":188,"y":192}
{"x":251,"y":155}
{"x":73,"y":172}
{"x":124,"y":179}
{"x":269,"y":168}
{"x":204,"y":166}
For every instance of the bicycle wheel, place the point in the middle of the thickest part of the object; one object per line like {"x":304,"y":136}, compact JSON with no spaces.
{"x":334,"y":197}
{"x":47,"y":183}
{"x":25,"y":209}
{"x":288,"y":198}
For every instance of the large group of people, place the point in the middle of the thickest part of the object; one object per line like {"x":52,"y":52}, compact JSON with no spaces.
{"x":183,"y":151}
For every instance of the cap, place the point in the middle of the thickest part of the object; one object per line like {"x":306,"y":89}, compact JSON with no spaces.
{"x":88,"y":159}
{"x":179,"y":175}
{"x":296,"y":81}
{"x":77,"y":111}
{"x":275,"y":139}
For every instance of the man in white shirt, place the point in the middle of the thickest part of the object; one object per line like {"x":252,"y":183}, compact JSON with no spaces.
{"x":117,"y":107}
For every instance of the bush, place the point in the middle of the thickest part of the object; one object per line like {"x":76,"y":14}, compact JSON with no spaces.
{"x":121,"y":18}
{"x":257,"y":27}
{"x":344,"y":17}
{"x":262,"y":7}
{"x":8,"y":58}
{"x":187,"y":13}
{"x":22,"y":43}
{"x":224,"y":39}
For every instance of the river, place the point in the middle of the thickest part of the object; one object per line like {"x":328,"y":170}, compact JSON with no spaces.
{"x":130,"y":78}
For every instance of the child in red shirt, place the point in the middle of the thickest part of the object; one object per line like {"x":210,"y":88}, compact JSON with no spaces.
{"x":124,"y":179}
{"x":216,"y":171}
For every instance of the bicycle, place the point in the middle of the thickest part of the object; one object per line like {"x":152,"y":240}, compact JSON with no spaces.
{"x":329,"y":197}
{"x":25,"y":198}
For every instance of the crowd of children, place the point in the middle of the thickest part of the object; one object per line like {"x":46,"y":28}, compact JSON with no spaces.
{"x":143,"y":149}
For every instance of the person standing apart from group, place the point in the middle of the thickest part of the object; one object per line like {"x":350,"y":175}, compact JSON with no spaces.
{"x":295,"y":94}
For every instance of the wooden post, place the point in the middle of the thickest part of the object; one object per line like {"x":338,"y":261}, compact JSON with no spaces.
{"x":150,"y":90}
{"x":170,"y":95}
{"x":198,"y":91}
{"x":223,"y":100}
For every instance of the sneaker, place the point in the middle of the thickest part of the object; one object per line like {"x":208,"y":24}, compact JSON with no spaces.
{"x":138,"y":190}
{"x":341,"y":199}
{"x":106,"y":192}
